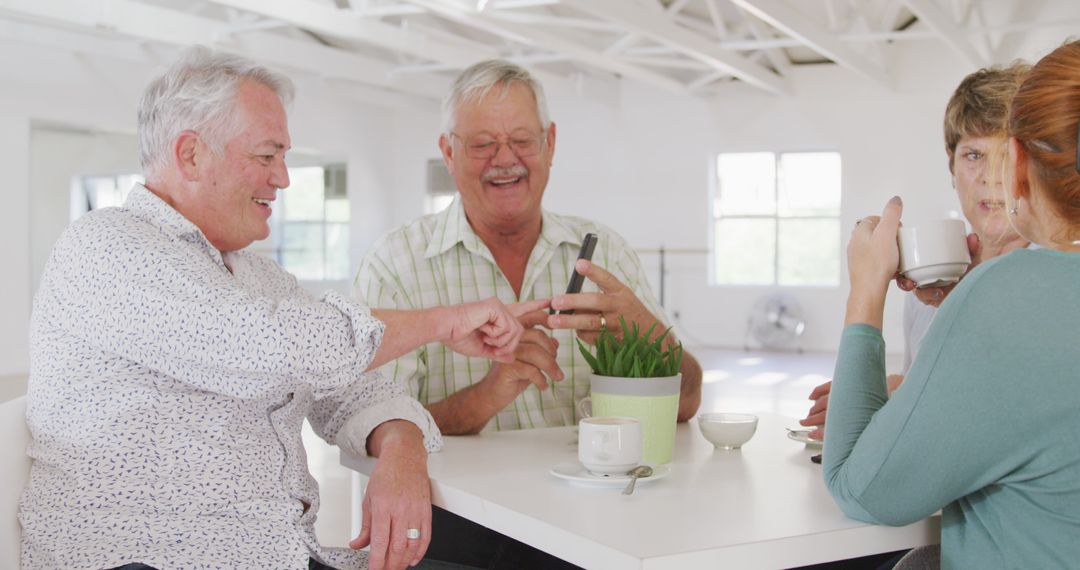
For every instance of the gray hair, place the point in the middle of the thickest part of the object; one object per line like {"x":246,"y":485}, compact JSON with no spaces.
{"x":480,"y":79}
{"x":198,"y":92}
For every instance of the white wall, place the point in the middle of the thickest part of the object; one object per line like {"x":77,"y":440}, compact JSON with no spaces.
{"x":57,"y":155}
{"x":52,"y":87}
{"x":14,"y":234}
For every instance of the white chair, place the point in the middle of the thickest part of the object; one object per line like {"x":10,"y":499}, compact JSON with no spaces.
{"x":14,"y":436}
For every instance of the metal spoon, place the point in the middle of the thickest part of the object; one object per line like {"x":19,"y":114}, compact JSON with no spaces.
{"x":639,"y":471}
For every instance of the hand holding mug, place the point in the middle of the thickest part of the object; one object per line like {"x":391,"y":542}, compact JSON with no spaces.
{"x":934,"y":253}
{"x":934,"y":295}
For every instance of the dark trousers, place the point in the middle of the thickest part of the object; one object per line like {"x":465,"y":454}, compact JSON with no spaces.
{"x":461,"y":541}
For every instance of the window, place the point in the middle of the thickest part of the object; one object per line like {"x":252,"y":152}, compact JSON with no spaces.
{"x":98,"y":191}
{"x":309,"y":229}
{"x":776,"y":219}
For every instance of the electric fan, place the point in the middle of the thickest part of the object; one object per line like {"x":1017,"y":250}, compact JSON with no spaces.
{"x":776,"y":322}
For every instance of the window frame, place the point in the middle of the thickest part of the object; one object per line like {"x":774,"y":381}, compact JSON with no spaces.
{"x":713,"y":220}
{"x":275,"y":244}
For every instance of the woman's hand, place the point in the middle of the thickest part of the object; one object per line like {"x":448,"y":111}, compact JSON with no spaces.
{"x":397,"y":498}
{"x":873,"y":259}
{"x":815,"y":418}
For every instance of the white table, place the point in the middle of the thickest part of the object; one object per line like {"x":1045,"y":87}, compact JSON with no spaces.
{"x":764,"y":506}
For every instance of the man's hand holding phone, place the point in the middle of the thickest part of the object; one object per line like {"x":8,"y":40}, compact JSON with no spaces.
{"x":588,"y":246}
{"x":593,"y":311}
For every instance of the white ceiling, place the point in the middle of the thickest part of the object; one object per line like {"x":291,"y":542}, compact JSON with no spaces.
{"x":416,"y":46}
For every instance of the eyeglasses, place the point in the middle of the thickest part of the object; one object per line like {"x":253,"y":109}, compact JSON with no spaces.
{"x":522,"y":143}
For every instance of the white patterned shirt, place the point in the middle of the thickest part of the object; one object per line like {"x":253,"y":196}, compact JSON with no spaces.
{"x":438,"y":259}
{"x":167,"y":395}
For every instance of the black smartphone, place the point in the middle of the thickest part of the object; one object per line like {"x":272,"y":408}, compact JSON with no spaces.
{"x":577,"y":279}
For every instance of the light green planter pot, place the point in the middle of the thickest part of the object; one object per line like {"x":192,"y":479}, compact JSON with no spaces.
{"x":653,"y":401}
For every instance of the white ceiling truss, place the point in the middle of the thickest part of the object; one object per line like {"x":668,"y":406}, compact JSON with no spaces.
{"x":415,"y":47}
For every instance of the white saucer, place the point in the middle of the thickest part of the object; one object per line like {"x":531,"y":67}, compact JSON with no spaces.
{"x":803,"y":436}
{"x":575,"y":473}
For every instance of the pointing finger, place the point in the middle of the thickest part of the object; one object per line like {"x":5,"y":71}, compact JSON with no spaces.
{"x":519,"y":309}
{"x":533,"y":318}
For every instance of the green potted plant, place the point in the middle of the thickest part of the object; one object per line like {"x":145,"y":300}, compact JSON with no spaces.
{"x":637,"y":376}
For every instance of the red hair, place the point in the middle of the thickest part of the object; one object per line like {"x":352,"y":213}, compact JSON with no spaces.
{"x":1045,"y":118}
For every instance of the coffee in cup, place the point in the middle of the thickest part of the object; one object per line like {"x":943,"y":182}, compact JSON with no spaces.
{"x":609,"y":445}
{"x":934,"y":253}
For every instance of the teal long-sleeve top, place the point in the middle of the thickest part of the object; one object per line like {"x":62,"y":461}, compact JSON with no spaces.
{"x":986,"y":426}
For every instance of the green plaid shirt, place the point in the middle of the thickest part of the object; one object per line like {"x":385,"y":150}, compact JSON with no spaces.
{"x":439,"y":260}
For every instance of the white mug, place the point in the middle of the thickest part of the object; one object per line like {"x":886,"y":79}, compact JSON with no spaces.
{"x":934,"y":253}
{"x":609,"y":445}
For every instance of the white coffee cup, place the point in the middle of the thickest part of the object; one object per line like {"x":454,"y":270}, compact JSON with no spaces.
{"x":609,"y":445}
{"x":934,"y":253}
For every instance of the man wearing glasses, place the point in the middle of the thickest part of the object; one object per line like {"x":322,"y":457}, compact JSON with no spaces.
{"x":495,"y":239}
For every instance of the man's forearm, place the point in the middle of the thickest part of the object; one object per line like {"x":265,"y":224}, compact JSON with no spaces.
{"x":394,"y":436}
{"x":464,"y":412}
{"x":407,"y":330}
{"x":690,"y":391}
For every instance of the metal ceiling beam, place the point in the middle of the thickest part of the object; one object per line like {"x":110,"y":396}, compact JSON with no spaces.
{"x":707,"y":79}
{"x":1015,"y":28}
{"x":694,"y":24}
{"x":670,"y":63}
{"x":781,"y":16}
{"x":621,"y":44}
{"x":684,"y":41}
{"x":676,"y":6}
{"x":777,"y":57}
{"x":940,"y":21}
{"x":152,"y":24}
{"x":546,"y":20}
{"x":834,"y":17}
{"x":717,"y":19}
{"x":347,"y":24}
{"x":887,"y":15}
{"x":529,"y":35}
{"x":382,"y":11}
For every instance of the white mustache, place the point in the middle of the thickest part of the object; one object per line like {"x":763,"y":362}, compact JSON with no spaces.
{"x":516,"y":171}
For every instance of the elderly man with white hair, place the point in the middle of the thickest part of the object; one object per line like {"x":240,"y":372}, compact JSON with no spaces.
{"x":171,"y":371}
{"x":498,"y":142}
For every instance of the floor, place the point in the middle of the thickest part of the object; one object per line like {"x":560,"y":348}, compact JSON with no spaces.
{"x":734,"y":381}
